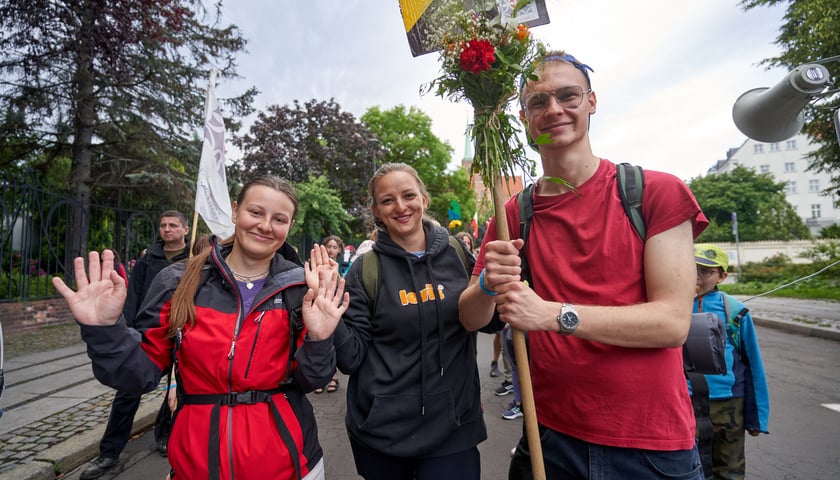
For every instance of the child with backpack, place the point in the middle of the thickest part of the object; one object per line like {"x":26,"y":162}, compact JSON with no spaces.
{"x":739,"y":400}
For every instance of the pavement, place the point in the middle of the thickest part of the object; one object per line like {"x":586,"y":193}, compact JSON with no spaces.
{"x":54,"y":411}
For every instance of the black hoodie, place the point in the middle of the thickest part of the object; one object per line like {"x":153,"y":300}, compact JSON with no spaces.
{"x":414,"y":388}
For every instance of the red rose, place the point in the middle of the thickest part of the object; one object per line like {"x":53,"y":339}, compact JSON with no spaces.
{"x":477,"y":56}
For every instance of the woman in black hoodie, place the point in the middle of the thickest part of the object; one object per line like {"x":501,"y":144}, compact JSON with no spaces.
{"x":413,"y":399}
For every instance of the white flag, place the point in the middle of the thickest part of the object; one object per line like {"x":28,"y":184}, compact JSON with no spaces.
{"x":212,"y":200}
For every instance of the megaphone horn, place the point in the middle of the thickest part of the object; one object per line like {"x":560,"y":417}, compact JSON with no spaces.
{"x":775,"y":114}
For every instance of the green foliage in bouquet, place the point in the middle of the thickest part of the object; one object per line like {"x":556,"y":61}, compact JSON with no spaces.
{"x":484,"y":60}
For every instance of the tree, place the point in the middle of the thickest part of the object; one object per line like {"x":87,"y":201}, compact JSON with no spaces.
{"x":762,"y":211}
{"x":315,"y":138}
{"x":406,"y":136}
{"x":116,"y":87}
{"x":831,"y":231}
{"x":320,"y":213}
{"x":810,"y":33}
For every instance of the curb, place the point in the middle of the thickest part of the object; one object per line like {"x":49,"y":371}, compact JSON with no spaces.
{"x":73,"y":452}
{"x":800,"y":328}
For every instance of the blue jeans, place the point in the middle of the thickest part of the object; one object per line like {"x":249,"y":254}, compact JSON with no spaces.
{"x":567,"y":457}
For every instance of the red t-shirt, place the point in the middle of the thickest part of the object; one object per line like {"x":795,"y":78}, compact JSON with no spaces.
{"x":582,"y":249}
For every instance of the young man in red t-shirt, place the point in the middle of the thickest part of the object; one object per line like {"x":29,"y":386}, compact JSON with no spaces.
{"x":606,"y":312}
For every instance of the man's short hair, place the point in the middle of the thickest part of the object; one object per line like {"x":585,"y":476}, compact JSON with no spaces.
{"x":175,"y":213}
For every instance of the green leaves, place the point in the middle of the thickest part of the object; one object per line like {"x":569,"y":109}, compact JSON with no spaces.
{"x":498,"y":148}
{"x":322,"y":212}
{"x":763,"y":212}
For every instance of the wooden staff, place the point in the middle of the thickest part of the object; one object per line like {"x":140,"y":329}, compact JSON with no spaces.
{"x":192,"y":233}
{"x":532,"y":432}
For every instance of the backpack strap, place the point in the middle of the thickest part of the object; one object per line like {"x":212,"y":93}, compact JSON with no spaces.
{"x":525,"y":200}
{"x":461,"y":249}
{"x":631,"y":184}
{"x":733,"y":322}
{"x":293,"y":299}
{"x":371,"y":275}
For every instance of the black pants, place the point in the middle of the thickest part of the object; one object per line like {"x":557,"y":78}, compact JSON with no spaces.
{"x":118,"y":431}
{"x":373,"y":465}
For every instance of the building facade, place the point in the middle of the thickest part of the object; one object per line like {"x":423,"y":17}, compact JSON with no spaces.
{"x":785,"y":160}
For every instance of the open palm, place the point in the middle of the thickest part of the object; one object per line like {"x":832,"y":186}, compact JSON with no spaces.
{"x":100,"y":294}
{"x":325,"y":300}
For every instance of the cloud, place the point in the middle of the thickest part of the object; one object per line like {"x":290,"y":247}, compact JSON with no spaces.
{"x":666,"y":72}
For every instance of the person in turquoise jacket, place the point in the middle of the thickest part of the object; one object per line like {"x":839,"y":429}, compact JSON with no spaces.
{"x":739,"y":400}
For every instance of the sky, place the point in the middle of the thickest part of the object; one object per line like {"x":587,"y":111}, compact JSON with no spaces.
{"x":666,"y":72}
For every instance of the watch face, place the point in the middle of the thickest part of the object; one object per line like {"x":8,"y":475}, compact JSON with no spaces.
{"x":569,"y":320}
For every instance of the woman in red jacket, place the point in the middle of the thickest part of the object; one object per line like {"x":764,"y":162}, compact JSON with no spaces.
{"x":228,"y":322}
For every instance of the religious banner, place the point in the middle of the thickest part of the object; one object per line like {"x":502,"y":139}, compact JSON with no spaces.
{"x":418,"y":18}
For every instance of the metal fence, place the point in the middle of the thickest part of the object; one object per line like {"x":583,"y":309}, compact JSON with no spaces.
{"x":33,"y":235}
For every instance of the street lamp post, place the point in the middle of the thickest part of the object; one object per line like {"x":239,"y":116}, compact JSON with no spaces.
{"x":375,"y":143}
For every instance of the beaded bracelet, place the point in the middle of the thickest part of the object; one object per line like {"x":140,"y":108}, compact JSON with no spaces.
{"x":481,"y":284}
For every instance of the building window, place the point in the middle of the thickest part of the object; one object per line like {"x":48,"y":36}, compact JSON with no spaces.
{"x":790,"y":167}
{"x":764,"y":168}
{"x":814,"y":185}
{"x":758,"y":148}
{"x":815,"y":210}
{"x":791,"y":144}
{"x":774,"y":147}
{"x":790,"y":188}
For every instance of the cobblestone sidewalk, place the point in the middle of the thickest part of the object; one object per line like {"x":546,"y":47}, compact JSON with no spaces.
{"x":22,"y":445}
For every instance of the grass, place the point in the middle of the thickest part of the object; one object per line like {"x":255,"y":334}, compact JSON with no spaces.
{"x":802,"y":290}
{"x":50,"y":337}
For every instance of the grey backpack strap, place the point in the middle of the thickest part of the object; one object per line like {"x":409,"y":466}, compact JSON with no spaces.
{"x":370,"y":276}
{"x":631,"y":184}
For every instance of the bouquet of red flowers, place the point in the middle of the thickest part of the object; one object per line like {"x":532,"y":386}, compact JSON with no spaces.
{"x":484,"y":59}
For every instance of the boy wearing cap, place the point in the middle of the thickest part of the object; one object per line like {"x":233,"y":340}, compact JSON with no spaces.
{"x":739,"y":399}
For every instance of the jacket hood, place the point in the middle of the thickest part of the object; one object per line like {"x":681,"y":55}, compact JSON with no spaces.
{"x":437,"y":239}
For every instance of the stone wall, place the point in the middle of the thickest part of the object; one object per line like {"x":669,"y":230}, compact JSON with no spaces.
{"x":759,"y":251}
{"x":25,"y":317}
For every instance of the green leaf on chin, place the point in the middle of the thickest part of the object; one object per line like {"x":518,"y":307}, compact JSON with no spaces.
{"x":543,"y":139}
{"x":560,"y":181}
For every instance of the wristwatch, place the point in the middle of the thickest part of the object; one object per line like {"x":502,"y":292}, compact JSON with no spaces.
{"x":568,"y":319}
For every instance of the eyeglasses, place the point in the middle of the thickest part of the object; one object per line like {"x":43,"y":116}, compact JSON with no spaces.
{"x":705,"y":272}
{"x":567,"y":97}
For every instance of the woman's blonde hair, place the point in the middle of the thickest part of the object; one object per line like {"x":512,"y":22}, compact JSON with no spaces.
{"x":183,"y":300}
{"x":390,"y":168}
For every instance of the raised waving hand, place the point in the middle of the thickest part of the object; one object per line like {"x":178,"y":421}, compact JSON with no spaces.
{"x":325,"y":300}
{"x":100,"y":292}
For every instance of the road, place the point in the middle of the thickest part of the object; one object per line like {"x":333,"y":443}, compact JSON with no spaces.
{"x":810,"y":311}
{"x":804,"y":432}
{"x":802,"y":445}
